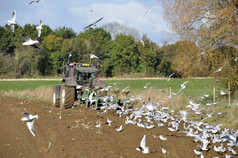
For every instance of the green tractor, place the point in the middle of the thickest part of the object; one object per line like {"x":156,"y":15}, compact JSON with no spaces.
{"x":79,"y":84}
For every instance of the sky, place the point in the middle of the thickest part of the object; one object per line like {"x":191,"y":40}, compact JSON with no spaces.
{"x":75,"y":14}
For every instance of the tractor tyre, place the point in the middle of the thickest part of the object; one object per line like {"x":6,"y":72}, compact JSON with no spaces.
{"x":56,"y":102}
{"x":67,"y":96}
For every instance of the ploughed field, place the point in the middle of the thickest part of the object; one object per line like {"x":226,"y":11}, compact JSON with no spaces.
{"x":59,"y":134}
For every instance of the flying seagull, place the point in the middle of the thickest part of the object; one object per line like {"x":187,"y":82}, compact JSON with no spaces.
{"x":170,"y":76}
{"x":12,"y":21}
{"x":218,"y":69}
{"x":39,"y":28}
{"x":34,"y":1}
{"x":94,"y":23}
{"x":142,"y":146}
{"x":92,"y":56}
{"x":146,"y":85}
{"x":30,"y":42}
{"x":29,"y":118}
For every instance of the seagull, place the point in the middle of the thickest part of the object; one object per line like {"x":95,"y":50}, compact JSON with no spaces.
{"x":90,"y":10}
{"x":222,"y":92}
{"x":143,"y":43}
{"x":39,"y":28}
{"x":94,"y":23}
{"x":109,"y":122}
{"x":34,"y":1}
{"x":236,"y":58}
{"x":170,"y":76}
{"x":142,"y":146}
{"x":98,"y":125}
{"x":146,"y":85}
{"x":197,"y":152}
{"x":115,"y":83}
{"x":164,"y":151}
{"x":119,"y":129}
{"x":92,"y":56}
{"x":29,"y":118}
{"x":161,"y":90}
{"x":30,"y":42}
{"x":218,"y":69}
{"x":12,"y":22}
{"x":162,"y":138}
{"x":233,"y":151}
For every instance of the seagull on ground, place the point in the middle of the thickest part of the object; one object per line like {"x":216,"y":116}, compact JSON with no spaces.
{"x":162,"y":138}
{"x":30,"y":42}
{"x":98,"y":125}
{"x":34,"y":1}
{"x":12,"y":21}
{"x":164,"y":151}
{"x":29,"y":118}
{"x":232,"y":150}
{"x":222,"y":92}
{"x":39,"y":28}
{"x":94,"y":23}
{"x":142,"y":146}
{"x":109,"y":122}
{"x":119,"y":129}
{"x":115,"y":83}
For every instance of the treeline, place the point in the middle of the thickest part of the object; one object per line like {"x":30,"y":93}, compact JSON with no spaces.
{"x":124,"y":54}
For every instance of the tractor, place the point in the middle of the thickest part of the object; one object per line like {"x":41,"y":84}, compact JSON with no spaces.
{"x":78,"y":83}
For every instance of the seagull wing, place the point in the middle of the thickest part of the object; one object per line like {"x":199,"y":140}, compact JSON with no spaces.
{"x":13,"y":16}
{"x":30,"y":125}
{"x":35,"y":46}
{"x":88,"y":26}
{"x":143,"y":142}
{"x":39,"y":32}
{"x":98,"y":20}
{"x":31,"y":2}
{"x":12,"y":27}
{"x":26,"y":38}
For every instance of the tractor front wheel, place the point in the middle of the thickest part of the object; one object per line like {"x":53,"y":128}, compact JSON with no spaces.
{"x":67,"y":96}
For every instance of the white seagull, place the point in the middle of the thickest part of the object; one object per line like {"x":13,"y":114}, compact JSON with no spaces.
{"x":92,"y":56}
{"x":142,"y":146}
{"x":30,"y":42}
{"x":146,"y":85}
{"x":12,"y":21}
{"x":109,"y":122}
{"x":164,"y":151}
{"x":29,"y":118}
{"x":170,"y":76}
{"x":39,"y":28}
{"x":119,"y":129}
{"x":162,"y":138}
{"x":218,"y":69}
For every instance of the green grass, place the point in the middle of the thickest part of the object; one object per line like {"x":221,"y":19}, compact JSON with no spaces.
{"x":195,"y":87}
{"x":24,"y":85}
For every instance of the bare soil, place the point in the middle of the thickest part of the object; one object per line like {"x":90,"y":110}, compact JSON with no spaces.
{"x":75,"y":135}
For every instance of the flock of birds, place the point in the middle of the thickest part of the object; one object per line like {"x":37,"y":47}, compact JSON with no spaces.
{"x":28,"y":41}
{"x":151,"y":115}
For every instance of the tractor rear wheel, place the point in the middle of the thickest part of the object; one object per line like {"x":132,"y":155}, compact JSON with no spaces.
{"x":67,"y":96}
{"x":56,"y":102}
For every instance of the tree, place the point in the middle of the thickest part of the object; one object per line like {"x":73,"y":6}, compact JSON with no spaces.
{"x":124,"y":55}
{"x":65,"y":32}
{"x":115,"y":29}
